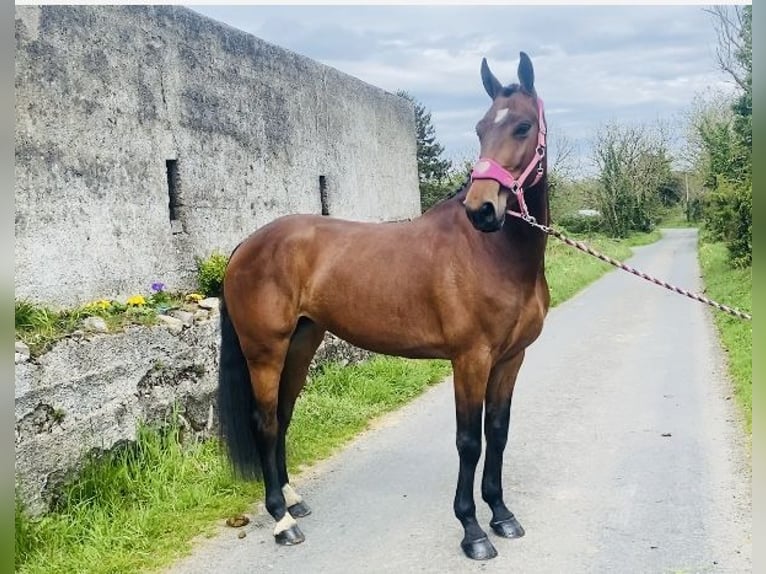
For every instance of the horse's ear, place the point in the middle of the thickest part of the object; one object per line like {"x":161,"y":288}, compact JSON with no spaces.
{"x":526,"y":73}
{"x":491,"y":83}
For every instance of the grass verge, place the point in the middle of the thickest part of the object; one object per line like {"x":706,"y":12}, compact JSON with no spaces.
{"x":139,"y":508}
{"x":732,"y":287}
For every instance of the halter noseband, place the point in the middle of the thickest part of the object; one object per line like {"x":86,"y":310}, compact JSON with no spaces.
{"x":488,"y":168}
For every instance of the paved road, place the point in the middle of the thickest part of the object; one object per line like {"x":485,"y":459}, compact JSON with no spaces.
{"x":588,"y":471}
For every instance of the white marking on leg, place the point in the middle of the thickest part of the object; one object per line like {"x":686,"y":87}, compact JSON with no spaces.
{"x":291,"y":497}
{"x":500,"y":116}
{"x":285,"y":523}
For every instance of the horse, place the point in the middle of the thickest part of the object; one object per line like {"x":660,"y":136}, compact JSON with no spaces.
{"x":461,"y":282}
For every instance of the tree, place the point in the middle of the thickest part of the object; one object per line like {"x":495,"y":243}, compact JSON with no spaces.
{"x":561,"y":168}
{"x":725,"y":139}
{"x":635,"y":177}
{"x":562,"y":155}
{"x":734,"y":26}
{"x":434,"y":171}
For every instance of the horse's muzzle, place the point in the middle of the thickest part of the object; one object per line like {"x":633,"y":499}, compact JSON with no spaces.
{"x":485,"y":218}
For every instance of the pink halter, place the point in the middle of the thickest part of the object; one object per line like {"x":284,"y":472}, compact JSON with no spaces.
{"x":488,"y":168}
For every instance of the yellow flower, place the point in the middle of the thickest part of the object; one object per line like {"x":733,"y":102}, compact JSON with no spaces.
{"x":136,"y":300}
{"x":102,"y":304}
{"x":194,"y":297}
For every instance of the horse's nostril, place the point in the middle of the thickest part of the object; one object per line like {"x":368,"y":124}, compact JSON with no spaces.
{"x":487,"y":211}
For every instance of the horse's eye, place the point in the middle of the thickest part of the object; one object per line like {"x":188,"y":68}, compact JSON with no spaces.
{"x":522,"y":130}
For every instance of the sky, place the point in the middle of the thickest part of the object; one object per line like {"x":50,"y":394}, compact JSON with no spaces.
{"x":593,"y":64}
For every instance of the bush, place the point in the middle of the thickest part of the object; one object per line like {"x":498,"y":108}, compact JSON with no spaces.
{"x":576,"y":223}
{"x":729,"y":217}
{"x":210,"y":274}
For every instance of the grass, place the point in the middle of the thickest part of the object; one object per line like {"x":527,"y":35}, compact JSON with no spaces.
{"x":140,"y":507}
{"x":732,"y":287}
{"x":40,"y":327}
{"x":132,"y":509}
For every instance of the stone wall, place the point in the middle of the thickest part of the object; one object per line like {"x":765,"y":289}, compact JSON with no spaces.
{"x":90,"y":392}
{"x":148,"y":135}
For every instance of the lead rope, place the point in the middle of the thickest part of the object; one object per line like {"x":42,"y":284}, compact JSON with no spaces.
{"x":620,"y":265}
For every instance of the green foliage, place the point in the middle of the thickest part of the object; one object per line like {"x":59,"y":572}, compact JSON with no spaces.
{"x":210,"y":274}
{"x":743,"y":106}
{"x":29,"y":317}
{"x":635,"y":178}
{"x":694,"y":209}
{"x":677,"y":216}
{"x":27,"y":536}
{"x":433,"y":193}
{"x":569,"y":196}
{"x":728,"y":216}
{"x":724,"y":142}
{"x":39,"y":327}
{"x":573,"y":196}
{"x":723,"y":156}
{"x":576,"y":223}
{"x":435,"y":173}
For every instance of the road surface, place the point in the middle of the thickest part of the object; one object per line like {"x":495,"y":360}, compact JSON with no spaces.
{"x":626,"y":454}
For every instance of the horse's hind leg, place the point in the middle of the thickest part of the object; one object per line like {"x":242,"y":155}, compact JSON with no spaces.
{"x":496,"y":421}
{"x":303,"y":344}
{"x":265,"y":373}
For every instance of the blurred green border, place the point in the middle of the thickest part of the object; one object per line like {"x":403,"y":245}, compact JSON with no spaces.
{"x":759,"y":297}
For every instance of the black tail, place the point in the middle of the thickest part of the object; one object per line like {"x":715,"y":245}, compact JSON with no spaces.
{"x":236,"y":404}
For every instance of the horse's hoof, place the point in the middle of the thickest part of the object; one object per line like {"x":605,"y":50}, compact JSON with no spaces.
{"x":509,"y":528}
{"x":290,"y":537}
{"x":480,"y":549}
{"x":299,"y":509}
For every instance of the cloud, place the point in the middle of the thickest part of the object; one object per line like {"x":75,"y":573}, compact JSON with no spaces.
{"x":593,"y":64}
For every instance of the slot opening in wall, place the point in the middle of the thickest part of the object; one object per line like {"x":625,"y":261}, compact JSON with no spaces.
{"x":323,"y":195}
{"x":171,"y":167}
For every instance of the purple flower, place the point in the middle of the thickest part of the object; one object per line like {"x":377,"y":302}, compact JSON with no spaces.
{"x":157,"y":287}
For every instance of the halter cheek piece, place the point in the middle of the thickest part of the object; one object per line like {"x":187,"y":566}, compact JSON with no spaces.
{"x":488,"y":168}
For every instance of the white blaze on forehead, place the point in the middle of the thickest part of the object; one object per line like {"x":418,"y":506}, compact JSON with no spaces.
{"x":285,"y":523}
{"x":500,"y":116}
{"x":291,"y":497}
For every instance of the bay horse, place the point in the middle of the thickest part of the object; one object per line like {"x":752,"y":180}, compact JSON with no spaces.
{"x":468,"y":289}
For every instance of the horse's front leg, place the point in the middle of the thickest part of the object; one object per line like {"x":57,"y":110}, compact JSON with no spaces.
{"x":470,"y":380}
{"x":502,"y":380}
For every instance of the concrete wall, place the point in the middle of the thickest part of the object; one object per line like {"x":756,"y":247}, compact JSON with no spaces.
{"x":107,"y":95}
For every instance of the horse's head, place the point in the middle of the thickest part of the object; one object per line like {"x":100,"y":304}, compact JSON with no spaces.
{"x":512,"y":139}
